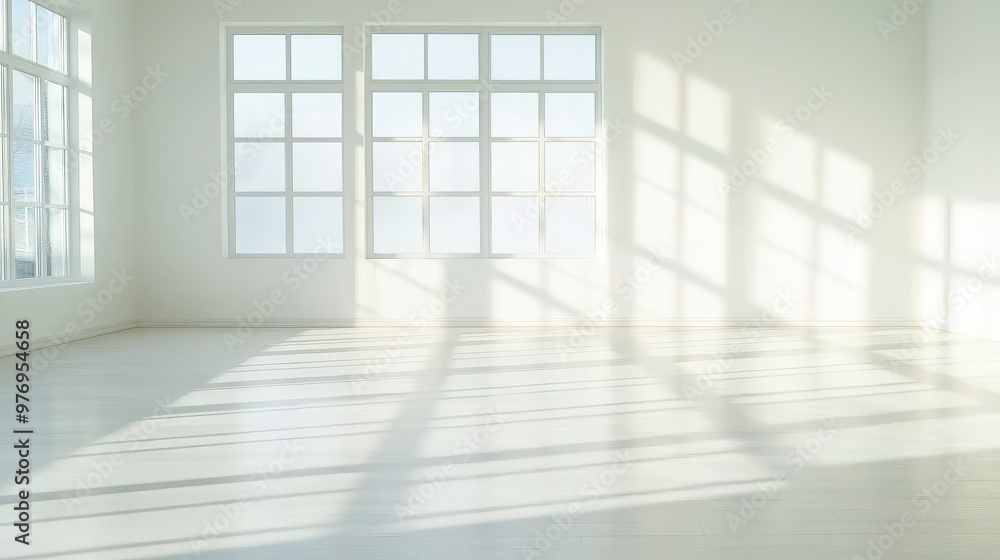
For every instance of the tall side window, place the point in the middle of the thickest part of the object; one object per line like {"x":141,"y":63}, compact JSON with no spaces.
{"x":38,"y":208}
{"x":285,"y":141}
{"x":483,"y":142}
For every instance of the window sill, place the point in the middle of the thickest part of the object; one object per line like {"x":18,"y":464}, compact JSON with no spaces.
{"x":37,"y":284}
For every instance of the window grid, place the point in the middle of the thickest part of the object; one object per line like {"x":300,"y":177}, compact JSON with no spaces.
{"x":53,"y":254}
{"x":486,"y":87}
{"x":288,"y":88}
{"x":45,"y":170}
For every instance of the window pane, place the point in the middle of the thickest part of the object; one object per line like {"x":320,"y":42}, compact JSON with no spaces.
{"x":453,"y":57}
{"x":514,"y":115}
{"x":397,"y":115}
{"x":515,"y":225}
{"x":86,"y":182}
{"x":455,"y":224}
{"x":515,"y":57}
{"x":4,"y":86}
{"x":317,"y":167}
{"x":57,"y":250}
{"x":570,"y":226}
{"x":85,"y":116}
{"x":397,"y":224}
{"x":319,"y":225}
{"x":25,"y":243}
{"x":24,"y":105}
{"x":260,"y":166}
{"x":54,"y":119}
{"x":397,"y":166}
{"x":570,"y":57}
{"x":397,"y":56}
{"x":259,"y":57}
{"x":316,"y":57}
{"x":85,"y":57}
{"x":317,"y":115}
{"x":515,"y":166}
{"x":55,"y":176}
{"x":21,"y":28}
{"x":454,"y":166}
{"x":259,"y":115}
{"x":454,"y":114}
{"x":570,"y":115}
{"x":569,"y":167}
{"x":260,"y":225}
{"x":24,"y":172}
{"x":3,"y":242}
{"x":50,"y":35}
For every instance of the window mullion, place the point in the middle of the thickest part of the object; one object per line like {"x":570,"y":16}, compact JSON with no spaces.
{"x":6,"y":191}
{"x":8,"y":173}
{"x":39,"y":153}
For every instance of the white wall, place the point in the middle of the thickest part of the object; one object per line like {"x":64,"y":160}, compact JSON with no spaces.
{"x":963,"y":191}
{"x":784,"y":230}
{"x":66,"y":311}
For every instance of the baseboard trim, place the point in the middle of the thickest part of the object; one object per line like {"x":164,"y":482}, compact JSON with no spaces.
{"x":533,"y":323}
{"x":39,"y":344}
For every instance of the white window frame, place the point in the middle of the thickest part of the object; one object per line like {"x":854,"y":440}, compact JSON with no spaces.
{"x":485,"y":85}
{"x":72,"y":145}
{"x":287,"y":86}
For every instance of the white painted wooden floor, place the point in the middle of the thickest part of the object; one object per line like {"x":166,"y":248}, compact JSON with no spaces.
{"x":492,"y":444}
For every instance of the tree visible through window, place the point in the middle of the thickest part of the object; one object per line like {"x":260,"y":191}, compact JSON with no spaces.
{"x":36,"y":202}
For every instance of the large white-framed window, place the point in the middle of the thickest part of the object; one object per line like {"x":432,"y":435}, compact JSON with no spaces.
{"x":482,"y":142}
{"x":39,"y":161}
{"x":284,"y":151}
